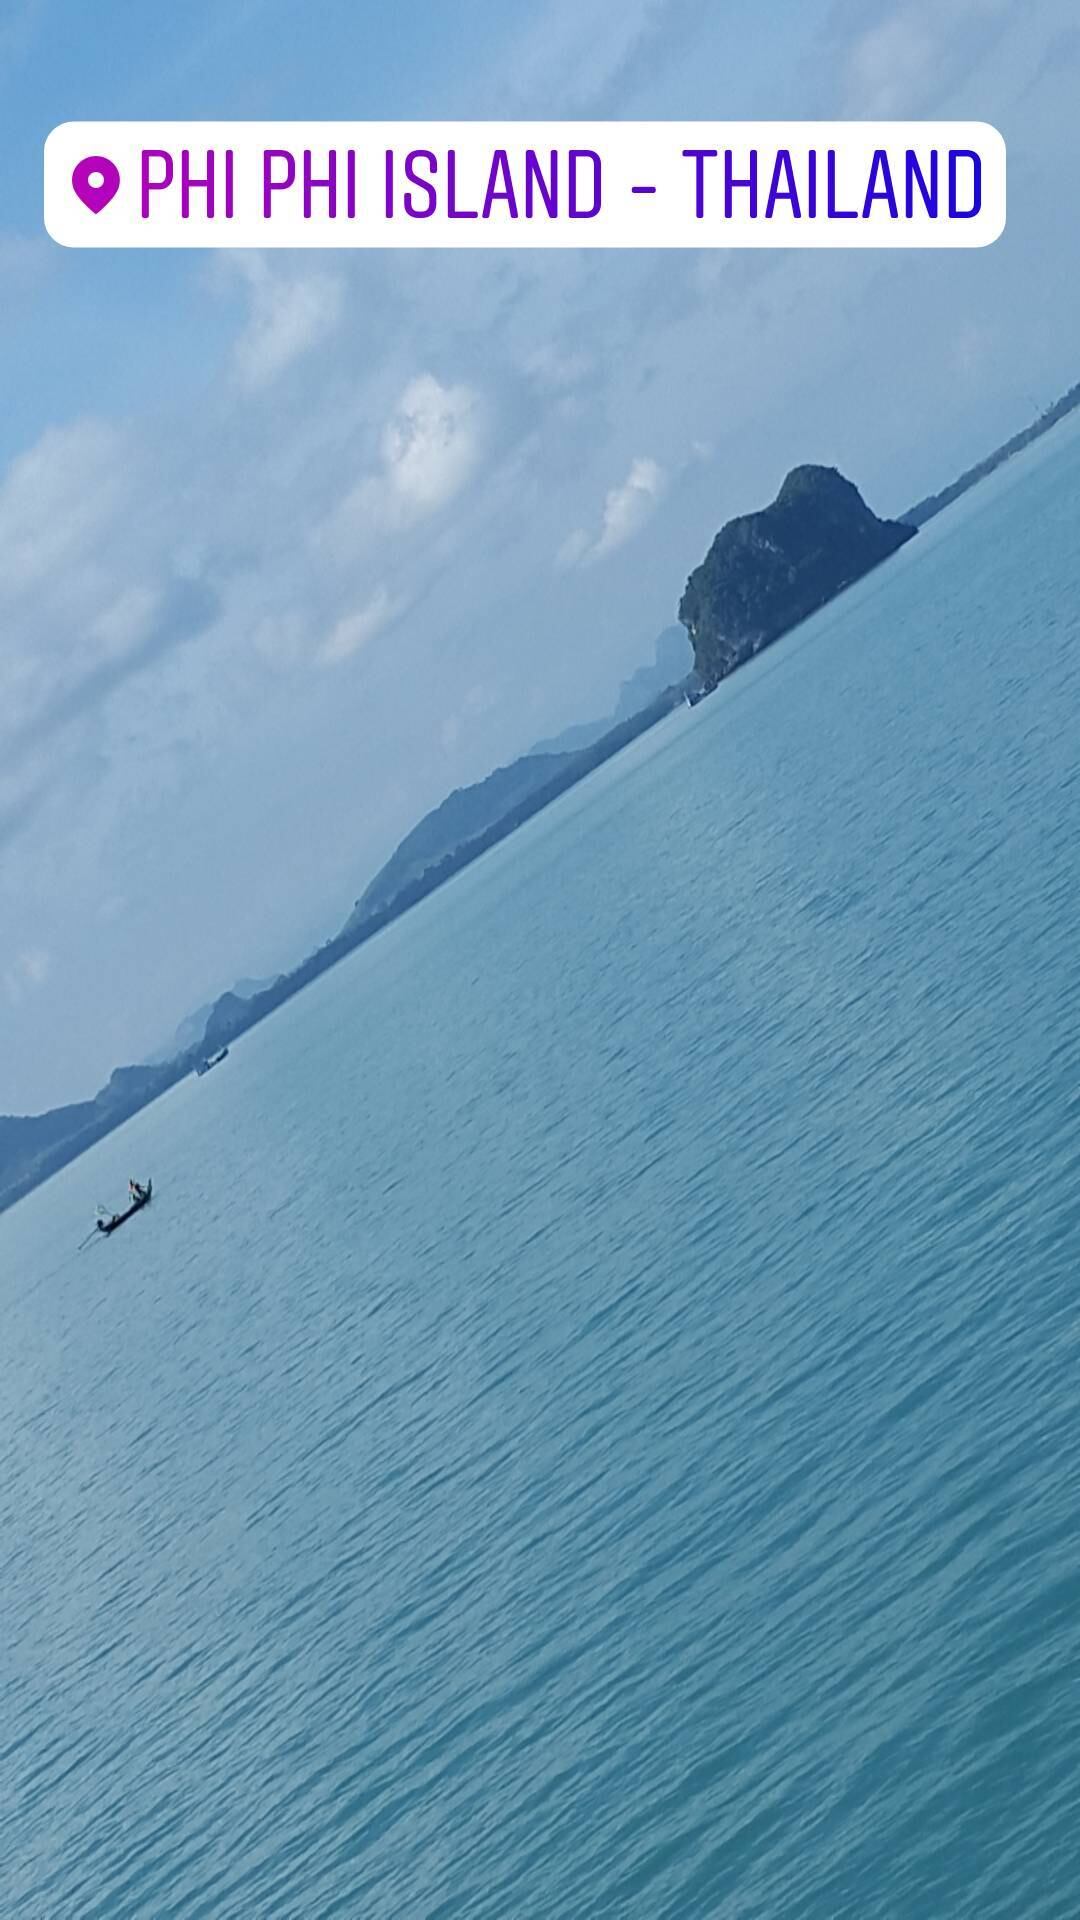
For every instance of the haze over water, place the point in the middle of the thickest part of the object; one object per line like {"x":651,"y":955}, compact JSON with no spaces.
{"x":588,"y":1425}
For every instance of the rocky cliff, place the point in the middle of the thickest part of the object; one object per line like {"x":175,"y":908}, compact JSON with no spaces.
{"x":766,"y":571}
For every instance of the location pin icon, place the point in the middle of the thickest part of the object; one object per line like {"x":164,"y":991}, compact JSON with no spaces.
{"x":96,"y":180}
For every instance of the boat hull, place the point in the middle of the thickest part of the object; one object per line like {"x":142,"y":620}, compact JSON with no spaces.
{"x":109,"y":1226}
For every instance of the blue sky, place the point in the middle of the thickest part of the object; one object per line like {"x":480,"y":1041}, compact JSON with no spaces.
{"x":292,"y":544}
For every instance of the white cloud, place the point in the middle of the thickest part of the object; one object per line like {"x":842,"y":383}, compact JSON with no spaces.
{"x":557,"y":370}
{"x":77,"y":566}
{"x":573,"y":550}
{"x":626,"y":510}
{"x":126,"y":622}
{"x":54,"y":501}
{"x":430,"y":444}
{"x":572,"y":51}
{"x":25,"y":260}
{"x":480,"y":700}
{"x":89,"y":597}
{"x":356,"y":629}
{"x":290,"y":314}
{"x":897,"y":66}
{"x":282,"y":638}
{"x":889,"y":65}
{"x":428,"y":450}
{"x":972,"y":350}
{"x":28,"y":971}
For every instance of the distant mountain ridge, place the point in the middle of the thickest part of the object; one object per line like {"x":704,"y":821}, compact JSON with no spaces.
{"x":673,"y":660}
{"x":471,"y":811}
{"x":925,"y":509}
{"x":464,"y":813}
{"x":191,"y":1033}
{"x":33,"y":1147}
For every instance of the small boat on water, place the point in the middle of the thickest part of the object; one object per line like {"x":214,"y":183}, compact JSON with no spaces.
{"x":140,"y":1198}
{"x":214,"y":1060}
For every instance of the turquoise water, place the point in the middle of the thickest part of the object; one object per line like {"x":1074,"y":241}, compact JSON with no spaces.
{"x":588,"y":1425}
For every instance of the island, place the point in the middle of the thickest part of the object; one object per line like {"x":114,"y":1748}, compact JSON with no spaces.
{"x":767,"y":571}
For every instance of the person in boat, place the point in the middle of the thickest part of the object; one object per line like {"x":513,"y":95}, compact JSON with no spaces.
{"x":135,"y":1192}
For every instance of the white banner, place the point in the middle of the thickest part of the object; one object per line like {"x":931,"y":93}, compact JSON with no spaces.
{"x":654,"y":183}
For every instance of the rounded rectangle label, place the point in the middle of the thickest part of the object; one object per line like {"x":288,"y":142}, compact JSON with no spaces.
{"x":557,"y":183}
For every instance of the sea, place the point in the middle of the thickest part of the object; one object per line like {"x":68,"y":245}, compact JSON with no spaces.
{"x":589,"y":1424}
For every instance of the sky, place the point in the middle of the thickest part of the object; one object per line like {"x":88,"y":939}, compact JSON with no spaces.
{"x":292,"y":544}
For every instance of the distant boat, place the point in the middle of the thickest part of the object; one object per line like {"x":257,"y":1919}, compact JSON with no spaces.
{"x":214,"y":1060}
{"x":142,"y":1199}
